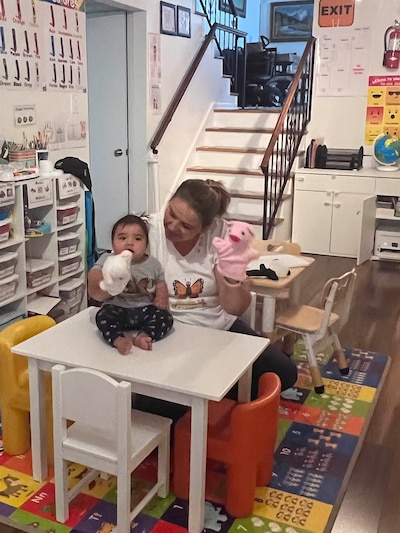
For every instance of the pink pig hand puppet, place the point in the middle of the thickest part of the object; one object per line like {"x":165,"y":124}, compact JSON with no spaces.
{"x":116,"y":273}
{"x":234,"y":251}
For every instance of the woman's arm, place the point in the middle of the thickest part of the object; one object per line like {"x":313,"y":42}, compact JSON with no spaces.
{"x":161,"y":295}
{"x":234,"y":296}
{"x":95,"y":275}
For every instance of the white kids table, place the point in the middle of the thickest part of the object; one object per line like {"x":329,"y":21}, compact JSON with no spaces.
{"x":191,"y":366}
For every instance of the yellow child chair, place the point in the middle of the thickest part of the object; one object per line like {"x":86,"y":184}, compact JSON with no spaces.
{"x":14,"y":387}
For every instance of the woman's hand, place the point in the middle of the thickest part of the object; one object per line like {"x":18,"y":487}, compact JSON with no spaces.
{"x":234,"y":296}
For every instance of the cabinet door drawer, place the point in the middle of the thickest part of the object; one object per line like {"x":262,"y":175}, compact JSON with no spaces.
{"x":387,"y":186}
{"x":333,"y":182}
{"x":313,"y":182}
{"x":354,"y":184}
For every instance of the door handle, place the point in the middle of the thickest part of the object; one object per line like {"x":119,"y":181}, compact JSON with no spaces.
{"x":118,"y":152}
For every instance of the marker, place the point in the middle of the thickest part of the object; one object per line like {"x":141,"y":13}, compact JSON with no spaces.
{"x":14,"y":38}
{"x":33,"y":12}
{"x":3,"y":40}
{"x":5,"y":68}
{"x":52,"y":21}
{"x":19,"y":14}
{"x":17,"y":69}
{"x":62,"y":47}
{"x":35,"y":38}
{"x":26,"y":50}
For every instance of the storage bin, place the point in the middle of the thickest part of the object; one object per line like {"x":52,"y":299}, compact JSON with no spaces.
{"x":8,"y":287}
{"x":69,"y":263}
{"x":5,"y":229}
{"x":68,"y":243}
{"x":67,"y":213}
{"x":71,"y":292}
{"x":7,"y":264}
{"x":38,"y":272}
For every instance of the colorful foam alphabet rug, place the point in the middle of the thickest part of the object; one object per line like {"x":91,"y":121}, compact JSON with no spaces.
{"x":320,"y":437}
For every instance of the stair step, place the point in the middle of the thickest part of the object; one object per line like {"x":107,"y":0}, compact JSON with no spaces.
{"x":255,"y":111}
{"x":239,"y":129}
{"x":231,"y":149}
{"x":252,"y":195}
{"x":224,"y":170}
{"x":245,"y":117}
{"x":255,"y":220}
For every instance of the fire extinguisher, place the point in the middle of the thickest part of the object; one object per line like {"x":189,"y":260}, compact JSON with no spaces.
{"x":391,"y":57}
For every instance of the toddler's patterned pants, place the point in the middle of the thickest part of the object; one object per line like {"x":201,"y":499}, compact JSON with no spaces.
{"x":113,"y":320}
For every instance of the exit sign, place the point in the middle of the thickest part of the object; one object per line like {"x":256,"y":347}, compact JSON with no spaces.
{"x":334,"y":13}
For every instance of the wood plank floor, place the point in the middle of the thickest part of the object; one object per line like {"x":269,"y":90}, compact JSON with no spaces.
{"x":371,"y":503}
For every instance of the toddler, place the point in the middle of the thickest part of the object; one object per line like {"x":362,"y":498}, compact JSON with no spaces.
{"x":143,"y":303}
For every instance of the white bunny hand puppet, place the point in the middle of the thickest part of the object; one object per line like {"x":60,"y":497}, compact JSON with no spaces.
{"x":116,"y":273}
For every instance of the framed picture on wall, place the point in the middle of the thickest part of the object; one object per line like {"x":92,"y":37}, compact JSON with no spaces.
{"x":183,"y":21}
{"x":291,"y":21}
{"x":167,"y":18}
{"x":240,"y":6}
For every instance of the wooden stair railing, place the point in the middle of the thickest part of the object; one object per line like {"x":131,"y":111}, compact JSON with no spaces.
{"x":285,"y":140}
{"x":180,"y":92}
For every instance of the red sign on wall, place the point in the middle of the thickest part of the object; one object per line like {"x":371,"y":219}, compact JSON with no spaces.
{"x":334,"y":13}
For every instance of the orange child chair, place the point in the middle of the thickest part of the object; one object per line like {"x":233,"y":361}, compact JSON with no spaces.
{"x":14,"y":386}
{"x":243,"y":437}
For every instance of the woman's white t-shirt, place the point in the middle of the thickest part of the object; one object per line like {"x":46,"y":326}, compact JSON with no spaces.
{"x":192,"y":289}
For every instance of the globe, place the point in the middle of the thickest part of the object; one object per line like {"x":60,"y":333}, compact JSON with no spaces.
{"x":386,"y":152}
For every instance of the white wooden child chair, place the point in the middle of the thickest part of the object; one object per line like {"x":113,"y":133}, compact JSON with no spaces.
{"x":106,"y":436}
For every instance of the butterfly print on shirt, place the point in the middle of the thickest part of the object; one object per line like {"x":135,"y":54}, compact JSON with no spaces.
{"x":188,"y":290}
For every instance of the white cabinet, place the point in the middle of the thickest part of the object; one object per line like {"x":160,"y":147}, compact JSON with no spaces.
{"x":334,"y":214}
{"x":43,"y":254}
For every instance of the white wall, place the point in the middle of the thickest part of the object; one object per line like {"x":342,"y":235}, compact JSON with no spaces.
{"x":341,"y":120}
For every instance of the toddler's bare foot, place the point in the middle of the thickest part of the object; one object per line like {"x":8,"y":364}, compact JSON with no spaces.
{"x":142,"y":340}
{"x":123,"y":345}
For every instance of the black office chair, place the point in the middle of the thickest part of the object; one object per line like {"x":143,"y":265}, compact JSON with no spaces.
{"x":264,"y":86}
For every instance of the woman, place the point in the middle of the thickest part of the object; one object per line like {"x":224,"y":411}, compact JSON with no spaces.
{"x":181,"y":239}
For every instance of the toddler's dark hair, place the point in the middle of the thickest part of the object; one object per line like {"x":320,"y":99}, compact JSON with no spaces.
{"x":128,"y":220}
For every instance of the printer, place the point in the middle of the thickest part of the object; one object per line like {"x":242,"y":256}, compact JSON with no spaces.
{"x":387,"y":241}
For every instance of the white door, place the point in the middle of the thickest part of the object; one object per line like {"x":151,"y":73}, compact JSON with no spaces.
{"x":108,"y":119}
{"x":348,"y":218}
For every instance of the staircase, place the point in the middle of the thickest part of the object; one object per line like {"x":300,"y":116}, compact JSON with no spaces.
{"x":232,"y":151}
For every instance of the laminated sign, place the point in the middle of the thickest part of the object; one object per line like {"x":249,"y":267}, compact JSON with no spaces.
{"x":333,"y":13}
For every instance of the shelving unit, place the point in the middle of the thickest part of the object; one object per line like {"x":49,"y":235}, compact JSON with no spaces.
{"x":337,"y":212}
{"x":35,"y":208}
